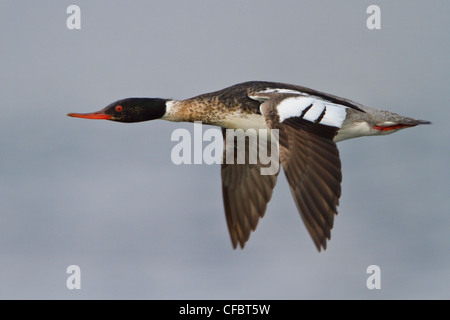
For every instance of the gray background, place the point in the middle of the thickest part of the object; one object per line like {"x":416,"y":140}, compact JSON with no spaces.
{"x":106,"y":196}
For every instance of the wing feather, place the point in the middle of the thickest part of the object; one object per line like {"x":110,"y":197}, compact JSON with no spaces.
{"x":245,"y":194}
{"x":310,"y":159}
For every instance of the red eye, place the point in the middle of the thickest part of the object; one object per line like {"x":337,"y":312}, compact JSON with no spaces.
{"x":119,"y":108}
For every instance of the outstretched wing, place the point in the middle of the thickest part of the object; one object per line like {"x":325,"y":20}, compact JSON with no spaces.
{"x":245,"y":190}
{"x":310,"y":158}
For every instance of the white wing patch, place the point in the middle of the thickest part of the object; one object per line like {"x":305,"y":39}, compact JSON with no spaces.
{"x":334,"y":115}
{"x":313,"y":110}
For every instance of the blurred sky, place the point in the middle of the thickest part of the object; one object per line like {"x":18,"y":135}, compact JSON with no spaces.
{"x":105,"y":196}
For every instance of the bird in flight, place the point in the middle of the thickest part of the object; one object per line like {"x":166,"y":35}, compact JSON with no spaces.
{"x":309,"y":124}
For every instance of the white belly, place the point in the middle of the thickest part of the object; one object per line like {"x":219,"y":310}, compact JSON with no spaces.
{"x":257,"y":121}
{"x":238,"y":121}
{"x":355,"y":130}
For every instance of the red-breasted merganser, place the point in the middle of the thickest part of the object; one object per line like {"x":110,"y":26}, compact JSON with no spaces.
{"x":309,"y":123}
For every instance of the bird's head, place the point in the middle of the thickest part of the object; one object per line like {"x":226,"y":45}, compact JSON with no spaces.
{"x":129,"y":110}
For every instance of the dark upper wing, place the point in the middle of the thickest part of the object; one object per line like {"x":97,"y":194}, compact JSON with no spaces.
{"x":309,"y":156}
{"x":245,"y":190}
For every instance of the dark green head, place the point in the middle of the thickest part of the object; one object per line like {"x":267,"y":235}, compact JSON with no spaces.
{"x":129,"y":110}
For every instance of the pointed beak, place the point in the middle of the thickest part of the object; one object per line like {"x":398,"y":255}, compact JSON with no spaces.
{"x":93,"y":115}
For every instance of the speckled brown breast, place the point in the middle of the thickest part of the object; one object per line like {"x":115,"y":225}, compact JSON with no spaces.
{"x":211,"y":108}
